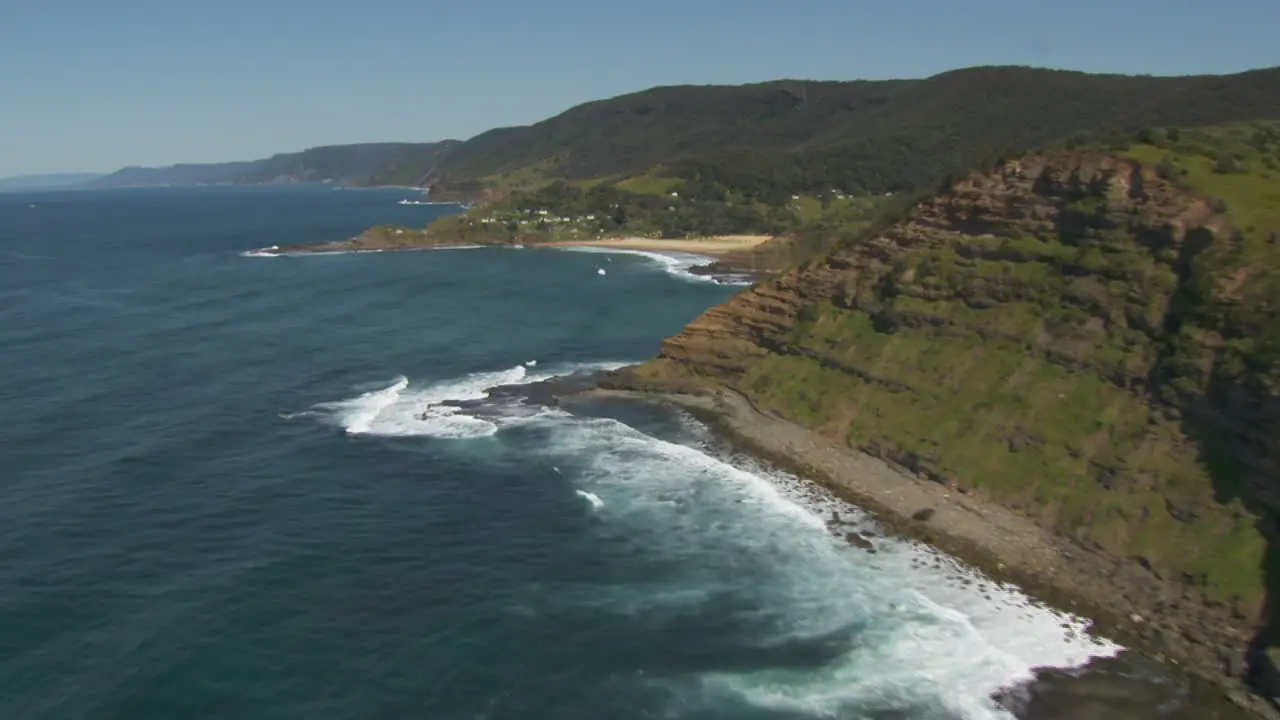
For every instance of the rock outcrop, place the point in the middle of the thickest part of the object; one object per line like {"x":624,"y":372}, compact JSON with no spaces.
{"x":379,"y":238}
{"x":1068,"y":335}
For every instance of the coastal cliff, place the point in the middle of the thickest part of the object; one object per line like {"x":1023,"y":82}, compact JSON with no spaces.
{"x":1078,"y":338}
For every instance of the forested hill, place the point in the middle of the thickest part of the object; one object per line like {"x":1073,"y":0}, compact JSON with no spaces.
{"x":805,"y":136}
{"x":769,"y":140}
{"x":361,"y":164}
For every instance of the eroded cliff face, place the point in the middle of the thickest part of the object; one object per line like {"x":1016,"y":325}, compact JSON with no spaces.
{"x":1069,"y":335}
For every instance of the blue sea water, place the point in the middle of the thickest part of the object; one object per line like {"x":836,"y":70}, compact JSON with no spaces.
{"x":220,"y":499}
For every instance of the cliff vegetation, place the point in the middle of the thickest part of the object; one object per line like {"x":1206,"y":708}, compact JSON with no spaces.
{"x":771,"y":140}
{"x":1088,"y":337}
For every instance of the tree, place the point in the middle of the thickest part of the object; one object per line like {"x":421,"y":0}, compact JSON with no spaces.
{"x":1078,"y":140}
{"x":1226,"y":163}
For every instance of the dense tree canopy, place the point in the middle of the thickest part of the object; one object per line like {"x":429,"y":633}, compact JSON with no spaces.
{"x":773,"y":139}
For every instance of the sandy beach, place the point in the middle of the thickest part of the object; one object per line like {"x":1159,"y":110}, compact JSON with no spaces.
{"x":711,"y":246}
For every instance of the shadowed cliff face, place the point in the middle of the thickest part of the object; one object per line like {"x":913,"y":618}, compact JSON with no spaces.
{"x":1068,"y":335}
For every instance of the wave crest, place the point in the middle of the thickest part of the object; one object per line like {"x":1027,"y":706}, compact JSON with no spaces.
{"x":405,"y":409}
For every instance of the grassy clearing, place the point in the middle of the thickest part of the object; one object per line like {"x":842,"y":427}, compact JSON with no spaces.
{"x":650,"y":183}
{"x":1238,"y":164}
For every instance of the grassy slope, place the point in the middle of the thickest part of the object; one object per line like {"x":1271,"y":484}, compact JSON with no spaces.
{"x":1252,"y":195}
{"x":1026,"y":382}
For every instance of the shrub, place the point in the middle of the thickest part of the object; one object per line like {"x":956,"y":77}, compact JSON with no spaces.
{"x":1226,"y":163}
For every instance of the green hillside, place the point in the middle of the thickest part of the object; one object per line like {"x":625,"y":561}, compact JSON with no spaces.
{"x":1090,"y":341}
{"x":771,"y":140}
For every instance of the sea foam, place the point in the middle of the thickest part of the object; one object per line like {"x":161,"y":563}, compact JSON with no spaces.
{"x":906,"y":628}
{"x":675,"y":264}
{"x":912,"y":628}
{"x":407,"y":409}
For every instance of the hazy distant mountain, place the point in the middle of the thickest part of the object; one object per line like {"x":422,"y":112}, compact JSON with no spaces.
{"x":50,"y":181}
{"x":360,"y":164}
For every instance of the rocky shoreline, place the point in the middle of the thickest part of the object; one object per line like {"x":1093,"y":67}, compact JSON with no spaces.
{"x":729,"y":269}
{"x":1121,"y":600}
{"x":389,"y":238}
{"x":382,"y":238}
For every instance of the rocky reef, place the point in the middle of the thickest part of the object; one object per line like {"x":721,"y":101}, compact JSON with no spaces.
{"x":378,"y":238}
{"x":1072,"y":337}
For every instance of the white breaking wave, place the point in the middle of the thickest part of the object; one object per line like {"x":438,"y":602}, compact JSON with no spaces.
{"x":912,"y":625}
{"x":563,"y":369}
{"x":273,"y":251}
{"x":594,"y":499}
{"x":675,"y":264}
{"x":403,"y":409}
{"x":906,"y":627}
{"x":424,"y":202}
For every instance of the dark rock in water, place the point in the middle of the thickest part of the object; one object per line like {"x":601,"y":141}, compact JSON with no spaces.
{"x":545,"y":392}
{"x":923,"y":515}
{"x":856,"y":540}
{"x":1127,"y":687}
{"x":723,"y":269}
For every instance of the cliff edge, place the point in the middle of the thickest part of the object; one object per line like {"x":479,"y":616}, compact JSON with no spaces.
{"x":1081,"y":338}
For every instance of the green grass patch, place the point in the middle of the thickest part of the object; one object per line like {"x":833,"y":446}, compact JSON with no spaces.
{"x":650,"y":183}
{"x":1249,"y":183}
{"x":1022,"y":430}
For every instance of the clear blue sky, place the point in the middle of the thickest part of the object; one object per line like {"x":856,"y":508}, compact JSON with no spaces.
{"x":88,"y":85}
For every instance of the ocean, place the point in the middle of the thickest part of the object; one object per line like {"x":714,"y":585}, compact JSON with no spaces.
{"x":222,"y":498}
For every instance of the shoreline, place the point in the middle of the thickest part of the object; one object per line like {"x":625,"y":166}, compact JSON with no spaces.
{"x":993,"y":540}
{"x":405,"y":239}
{"x":713,"y":247}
